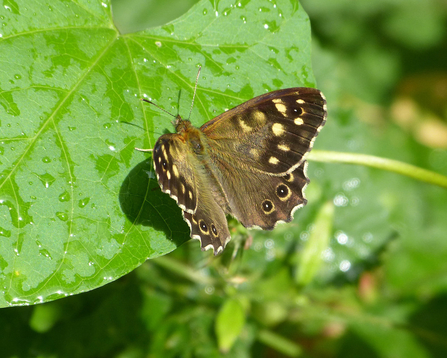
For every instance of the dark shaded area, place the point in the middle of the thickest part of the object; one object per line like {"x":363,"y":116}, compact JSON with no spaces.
{"x":353,"y":346}
{"x":429,"y":325}
{"x":97,"y":324}
{"x":143,"y":202}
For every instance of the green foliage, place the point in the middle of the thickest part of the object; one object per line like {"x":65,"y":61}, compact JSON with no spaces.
{"x":229,"y":323}
{"x":78,"y":201}
{"x":360,"y":271}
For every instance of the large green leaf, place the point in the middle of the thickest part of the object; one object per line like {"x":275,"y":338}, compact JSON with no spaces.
{"x":79,"y":207}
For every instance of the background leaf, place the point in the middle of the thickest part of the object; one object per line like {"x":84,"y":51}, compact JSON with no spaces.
{"x":229,"y":323}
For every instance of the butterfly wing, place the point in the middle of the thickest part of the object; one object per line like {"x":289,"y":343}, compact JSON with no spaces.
{"x":175,"y":174}
{"x":259,"y":149}
{"x":262,"y":200}
{"x":271,"y":133}
{"x":182,"y":176}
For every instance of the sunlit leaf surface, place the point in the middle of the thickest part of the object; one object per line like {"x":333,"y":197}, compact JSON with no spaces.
{"x":79,"y":207}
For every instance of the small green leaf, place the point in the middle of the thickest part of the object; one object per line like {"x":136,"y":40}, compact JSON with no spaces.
{"x":311,"y":256}
{"x":229,"y":323}
{"x":44,"y":317}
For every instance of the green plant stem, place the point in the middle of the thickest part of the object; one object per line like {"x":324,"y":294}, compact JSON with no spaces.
{"x":380,"y":163}
{"x":182,"y":270}
{"x":279,"y":343}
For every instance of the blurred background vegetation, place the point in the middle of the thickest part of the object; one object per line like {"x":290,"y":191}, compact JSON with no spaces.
{"x":381,"y":289}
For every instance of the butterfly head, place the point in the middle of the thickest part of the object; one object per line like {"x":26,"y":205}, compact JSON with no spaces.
{"x":181,"y":125}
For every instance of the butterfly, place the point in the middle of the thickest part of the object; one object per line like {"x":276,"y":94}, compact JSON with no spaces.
{"x":248,"y":162}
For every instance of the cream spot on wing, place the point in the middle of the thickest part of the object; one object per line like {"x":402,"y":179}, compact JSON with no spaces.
{"x":254,"y":152}
{"x":168,"y":175}
{"x":183,"y":188}
{"x":278,"y":129}
{"x":163,"y":149}
{"x":283,"y":147}
{"x":175,"y":171}
{"x":190,"y":195}
{"x":159,"y":159}
{"x":298,"y":121}
{"x":300,"y":101}
{"x":273,"y":160}
{"x":259,"y":117}
{"x":289,"y":177}
{"x":281,"y":109}
{"x":277,"y":100}
{"x":244,"y":127}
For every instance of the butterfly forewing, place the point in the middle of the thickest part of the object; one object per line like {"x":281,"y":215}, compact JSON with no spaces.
{"x":181,"y":175}
{"x":175,"y":173}
{"x":271,"y":133}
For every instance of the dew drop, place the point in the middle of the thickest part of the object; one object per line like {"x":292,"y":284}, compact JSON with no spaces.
{"x":64,"y":197}
{"x":341,"y":237}
{"x":341,"y":200}
{"x":345,"y":265}
{"x":4,"y":232}
{"x":45,"y":253}
{"x":83,"y":202}
{"x":62,"y":216}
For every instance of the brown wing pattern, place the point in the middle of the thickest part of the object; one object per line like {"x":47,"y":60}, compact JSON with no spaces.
{"x":271,"y":133}
{"x":183,"y":177}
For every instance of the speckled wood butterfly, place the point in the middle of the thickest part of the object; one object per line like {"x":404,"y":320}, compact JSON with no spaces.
{"x":248,"y":162}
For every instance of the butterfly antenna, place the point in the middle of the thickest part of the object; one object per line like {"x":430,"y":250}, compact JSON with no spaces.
{"x":195,"y":90}
{"x":164,"y":110}
{"x":178,"y":101}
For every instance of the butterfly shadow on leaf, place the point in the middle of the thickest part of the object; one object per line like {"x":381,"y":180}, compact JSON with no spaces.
{"x":145,"y":204}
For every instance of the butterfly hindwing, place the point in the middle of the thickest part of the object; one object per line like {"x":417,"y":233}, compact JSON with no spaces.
{"x":266,"y":199}
{"x":209,"y":225}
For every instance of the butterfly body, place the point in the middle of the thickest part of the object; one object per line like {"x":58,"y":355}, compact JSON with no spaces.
{"x":248,"y":162}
